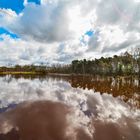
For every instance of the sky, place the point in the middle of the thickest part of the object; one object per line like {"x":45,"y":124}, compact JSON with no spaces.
{"x":59,"y":31}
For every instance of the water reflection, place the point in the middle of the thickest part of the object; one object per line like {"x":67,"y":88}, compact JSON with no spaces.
{"x":127,"y":87}
{"x":69,"y":108}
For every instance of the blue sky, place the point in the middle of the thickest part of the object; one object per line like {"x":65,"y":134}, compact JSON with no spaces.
{"x":35,"y":1}
{"x":89,"y":33}
{"x":1,"y":39}
{"x":15,"y":5}
{"x":4,"y":31}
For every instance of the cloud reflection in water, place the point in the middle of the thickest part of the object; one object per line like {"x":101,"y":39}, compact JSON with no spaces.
{"x":50,"y":108}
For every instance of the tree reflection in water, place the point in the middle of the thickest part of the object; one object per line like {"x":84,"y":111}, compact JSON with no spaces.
{"x":127,"y":87}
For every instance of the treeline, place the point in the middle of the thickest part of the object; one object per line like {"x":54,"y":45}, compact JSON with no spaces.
{"x":23,"y":69}
{"x":124,"y":64}
{"x":118,"y":65}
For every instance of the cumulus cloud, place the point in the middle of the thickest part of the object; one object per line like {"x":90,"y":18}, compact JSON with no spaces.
{"x":43,"y":23}
{"x":18,"y":51}
{"x":54,"y":21}
{"x":116,"y":26}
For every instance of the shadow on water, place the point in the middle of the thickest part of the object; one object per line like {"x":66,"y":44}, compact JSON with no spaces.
{"x":46,"y":120}
{"x":40,"y":120}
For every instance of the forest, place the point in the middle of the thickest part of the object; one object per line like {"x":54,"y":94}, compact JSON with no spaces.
{"x":125,"y":64}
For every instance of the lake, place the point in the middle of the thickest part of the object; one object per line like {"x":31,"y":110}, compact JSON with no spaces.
{"x":69,"y":108}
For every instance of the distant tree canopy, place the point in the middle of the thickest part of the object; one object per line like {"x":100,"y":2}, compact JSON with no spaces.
{"x":125,"y":64}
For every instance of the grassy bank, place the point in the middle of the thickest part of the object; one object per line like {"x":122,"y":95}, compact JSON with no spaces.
{"x":19,"y":73}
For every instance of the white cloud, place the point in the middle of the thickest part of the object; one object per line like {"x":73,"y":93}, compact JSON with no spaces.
{"x":116,"y":26}
{"x":17,"y":51}
{"x":25,"y":2}
{"x":6,"y":17}
{"x":45,"y":23}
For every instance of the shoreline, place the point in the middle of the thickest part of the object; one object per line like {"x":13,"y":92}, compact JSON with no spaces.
{"x":64,"y":75}
{"x":91,"y":75}
{"x":18,"y":73}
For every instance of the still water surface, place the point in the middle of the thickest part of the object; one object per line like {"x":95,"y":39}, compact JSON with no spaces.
{"x":69,"y":108}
